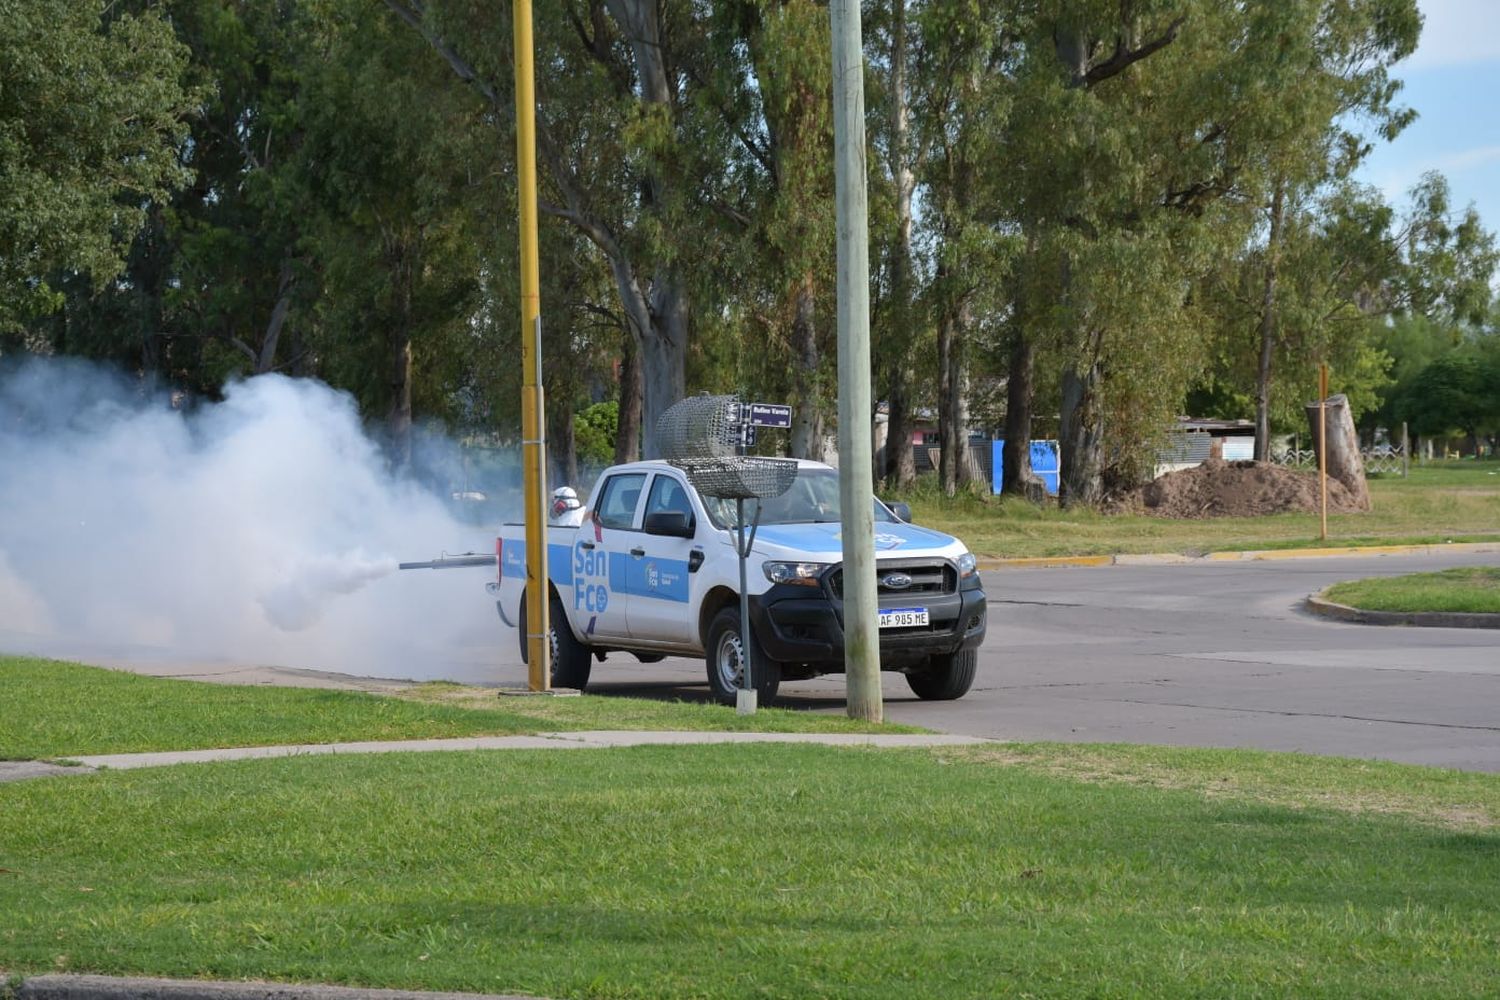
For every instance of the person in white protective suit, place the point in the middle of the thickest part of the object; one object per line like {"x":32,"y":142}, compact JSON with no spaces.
{"x":565,"y":509}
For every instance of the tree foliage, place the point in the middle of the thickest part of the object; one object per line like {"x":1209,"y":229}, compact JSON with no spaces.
{"x":92,"y":103}
{"x":1080,"y":211}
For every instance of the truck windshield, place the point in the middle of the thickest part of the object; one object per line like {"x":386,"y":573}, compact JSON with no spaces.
{"x":812,"y":499}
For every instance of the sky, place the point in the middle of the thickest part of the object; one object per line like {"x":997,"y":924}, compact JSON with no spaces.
{"x":1451,"y":81}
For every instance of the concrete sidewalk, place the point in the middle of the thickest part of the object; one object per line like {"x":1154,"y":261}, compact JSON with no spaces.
{"x":584,"y":740}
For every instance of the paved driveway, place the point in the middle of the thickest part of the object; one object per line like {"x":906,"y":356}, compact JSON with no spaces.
{"x":1217,"y":654}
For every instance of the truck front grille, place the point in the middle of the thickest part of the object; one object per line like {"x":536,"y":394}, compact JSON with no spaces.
{"x":925,"y":578}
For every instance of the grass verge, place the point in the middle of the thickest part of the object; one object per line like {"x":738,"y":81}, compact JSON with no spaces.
{"x":1472,"y":589}
{"x":768,"y":871}
{"x":1441,"y":502}
{"x":52,"y":709}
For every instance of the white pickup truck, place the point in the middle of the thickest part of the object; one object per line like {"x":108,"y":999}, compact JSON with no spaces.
{"x":652,"y":571}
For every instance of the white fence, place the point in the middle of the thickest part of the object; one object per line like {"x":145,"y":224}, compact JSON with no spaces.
{"x":1384,"y":458}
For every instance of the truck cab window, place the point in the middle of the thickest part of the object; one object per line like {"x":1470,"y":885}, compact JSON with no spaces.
{"x":667,"y":494}
{"x":618,"y":501}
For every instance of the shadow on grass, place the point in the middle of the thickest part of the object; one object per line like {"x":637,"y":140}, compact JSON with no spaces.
{"x":683,"y":680}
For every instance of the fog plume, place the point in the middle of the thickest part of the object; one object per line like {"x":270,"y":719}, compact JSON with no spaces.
{"x":264,"y":529}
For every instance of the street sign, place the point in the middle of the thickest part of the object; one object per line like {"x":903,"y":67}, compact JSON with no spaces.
{"x":766,"y":414}
{"x":747,"y":435}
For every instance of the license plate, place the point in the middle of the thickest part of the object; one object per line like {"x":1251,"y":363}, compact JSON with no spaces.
{"x":903,"y":617}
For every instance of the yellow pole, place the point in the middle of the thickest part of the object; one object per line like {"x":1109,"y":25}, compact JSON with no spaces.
{"x":533,"y":425}
{"x":1323,"y":446}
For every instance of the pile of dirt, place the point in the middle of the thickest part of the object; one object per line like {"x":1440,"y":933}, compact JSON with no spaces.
{"x":1234,"y":489}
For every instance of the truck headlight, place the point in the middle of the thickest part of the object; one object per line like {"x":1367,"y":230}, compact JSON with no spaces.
{"x":796,"y":574}
{"x":967,"y":566}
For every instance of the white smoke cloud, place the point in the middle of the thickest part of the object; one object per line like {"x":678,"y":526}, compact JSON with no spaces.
{"x":261,"y":530}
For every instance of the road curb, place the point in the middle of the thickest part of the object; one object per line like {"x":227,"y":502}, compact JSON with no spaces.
{"x":1415,"y":619}
{"x":1247,"y":555}
{"x":57,"y":987}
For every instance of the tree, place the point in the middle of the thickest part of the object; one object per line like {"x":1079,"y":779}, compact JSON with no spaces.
{"x":92,"y":105}
{"x":1458,"y":391}
{"x":1343,"y":52}
{"x":905,"y":155}
{"x":1121,"y":141}
{"x":770,"y":81}
{"x":965,"y":108}
{"x":615,"y":111}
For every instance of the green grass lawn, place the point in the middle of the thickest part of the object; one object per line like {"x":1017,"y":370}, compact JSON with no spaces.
{"x":1440,"y":502}
{"x":51,"y":709}
{"x":1464,"y":589}
{"x":769,"y":871}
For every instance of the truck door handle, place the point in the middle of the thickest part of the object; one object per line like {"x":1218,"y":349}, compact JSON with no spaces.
{"x":637,"y":552}
{"x":589,"y":546}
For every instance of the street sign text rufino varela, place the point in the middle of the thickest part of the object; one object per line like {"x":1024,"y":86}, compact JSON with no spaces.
{"x":766,"y":414}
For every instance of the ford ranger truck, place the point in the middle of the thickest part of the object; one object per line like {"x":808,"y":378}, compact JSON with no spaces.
{"x":652,"y":571}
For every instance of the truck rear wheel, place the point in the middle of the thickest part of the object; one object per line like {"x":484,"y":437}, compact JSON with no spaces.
{"x":725,"y":653}
{"x":571,"y":661}
{"x":945,"y":677}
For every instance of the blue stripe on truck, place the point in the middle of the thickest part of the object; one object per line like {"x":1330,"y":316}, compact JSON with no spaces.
{"x":559,"y":562}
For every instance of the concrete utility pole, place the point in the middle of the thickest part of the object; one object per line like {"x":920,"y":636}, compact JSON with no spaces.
{"x":856,"y":486}
{"x":533,"y":427}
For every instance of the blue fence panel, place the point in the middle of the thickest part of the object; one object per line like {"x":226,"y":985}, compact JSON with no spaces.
{"x":1043,"y":462}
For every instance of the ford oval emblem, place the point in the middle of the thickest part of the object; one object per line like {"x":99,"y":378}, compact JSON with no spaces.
{"x":895,"y":581}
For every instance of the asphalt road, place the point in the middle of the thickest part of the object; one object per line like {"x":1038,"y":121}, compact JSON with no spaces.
{"x":1214,"y":654}
{"x":1217,"y":654}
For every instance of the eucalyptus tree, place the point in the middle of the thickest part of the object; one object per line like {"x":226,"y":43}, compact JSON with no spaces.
{"x":399,"y":178}
{"x":767,"y":76}
{"x":237,"y":281}
{"x":616,"y":146}
{"x":93,"y":102}
{"x":1136,"y":133}
{"x":966,"y":58}
{"x":1318,"y":130}
{"x":902,"y":150}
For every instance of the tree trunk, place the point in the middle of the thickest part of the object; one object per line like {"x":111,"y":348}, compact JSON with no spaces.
{"x":398,"y":417}
{"x":900,"y":458}
{"x":1082,"y":436}
{"x":1345,"y":463}
{"x":399,"y":370}
{"x":1268,"y":329}
{"x":664,"y":347}
{"x":663,"y":357}
{"x":807,"y":414}
{"x":947,"y":446}
{"x":659,"y":326}
{"x":628,"y":430}
{"x":956,"y":466}
{"x":266,"y":360}
{"x":562,"y":443}
{"x":900,"y":462}
{"x":1016,"y":477}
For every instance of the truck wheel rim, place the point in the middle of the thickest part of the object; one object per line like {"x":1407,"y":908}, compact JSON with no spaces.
{"x":728,"y":658}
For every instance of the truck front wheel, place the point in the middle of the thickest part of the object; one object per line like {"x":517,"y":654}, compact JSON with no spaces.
{"x":945,"y":677}
{"x":726,"y":654}
{"x":571,"y":660}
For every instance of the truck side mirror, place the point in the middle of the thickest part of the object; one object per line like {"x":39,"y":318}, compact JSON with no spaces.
{"x":901,"y":510}
{"x":671,"y":523}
